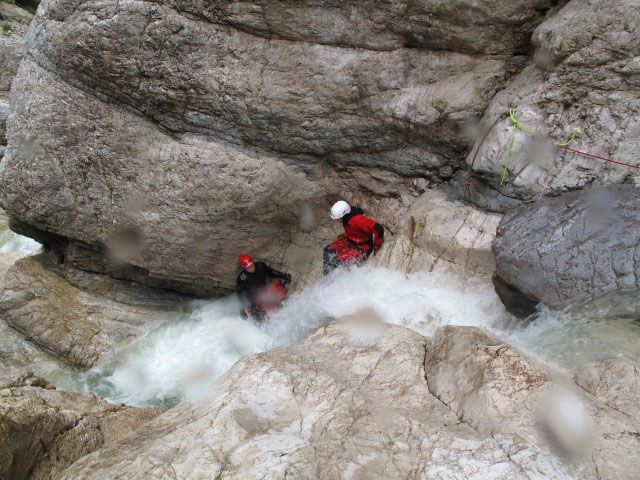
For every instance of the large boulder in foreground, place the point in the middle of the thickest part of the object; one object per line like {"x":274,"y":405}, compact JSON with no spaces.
{"x":195,"y":131}
{"x":537,"y":418}
{"x":354,"y":401}
{"x":76,"y":315}
{"x":44,"y":430}
{"x":570,"y":248}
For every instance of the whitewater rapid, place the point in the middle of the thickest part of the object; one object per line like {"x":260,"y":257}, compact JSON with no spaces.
{"x":14,"y":244}
{"x":182,"y":358}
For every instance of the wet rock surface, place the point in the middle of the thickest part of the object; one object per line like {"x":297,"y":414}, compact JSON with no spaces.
{"x":354,"y":399}
{"x":437,"y":233}
{"x":44,"y":430}
{"x":12,"y":42}
{"x":76,"y":315}
{"x":615,"y":382}
{"x":14,"y":22}
{"x":541,"y":420}
{"x":4,"y":114}
{"x":572,"y":248}
{"x":209,"y":128}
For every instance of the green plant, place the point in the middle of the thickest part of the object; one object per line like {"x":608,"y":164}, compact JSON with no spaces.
{"x":6,"y":28}
{"x":9,"y":1}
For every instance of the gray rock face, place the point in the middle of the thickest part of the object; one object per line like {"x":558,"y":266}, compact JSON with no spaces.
{"x":204,"y":130}
{"x":380,"y":25}
{"x":439,"y":234}
{"x":354,"y":401}
{"x":585,"y":76}
{"x":572,"y":248}
{"x":536,"y":418}
{"x":615,"y":382}
{"x":12,"y":42}
{"x":43,"y":430}
{"x":4,"y":114}
{"x":14,"y":21}
{"x":78,"y":316}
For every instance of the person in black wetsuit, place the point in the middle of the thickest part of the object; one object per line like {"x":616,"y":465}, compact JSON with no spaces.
{"x":251,"y":282}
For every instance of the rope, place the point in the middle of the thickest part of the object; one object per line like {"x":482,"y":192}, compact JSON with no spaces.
{"x":599,"y":158}
{"x":517,"y":124}
{"x":513,"y":137}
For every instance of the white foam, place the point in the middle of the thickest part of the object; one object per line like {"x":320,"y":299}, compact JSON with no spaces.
{"x":180,"y":360}
{"x":420,"y":301}
{"x":12,"y":243}
{"x":183,"y":359}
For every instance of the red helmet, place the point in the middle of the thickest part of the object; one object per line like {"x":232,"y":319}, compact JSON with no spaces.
{"x":245,"y":261}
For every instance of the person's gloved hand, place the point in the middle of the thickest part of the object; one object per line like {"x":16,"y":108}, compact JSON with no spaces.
{"x":287,"y":278}
{"x":243,"y":314}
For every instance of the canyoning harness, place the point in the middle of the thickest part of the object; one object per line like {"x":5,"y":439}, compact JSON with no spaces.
{"x":363,"y":233}
{"x":268,"y":301}
{"x":362,"y":237}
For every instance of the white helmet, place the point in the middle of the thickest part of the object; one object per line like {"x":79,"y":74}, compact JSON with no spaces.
{"x":340,"y":209}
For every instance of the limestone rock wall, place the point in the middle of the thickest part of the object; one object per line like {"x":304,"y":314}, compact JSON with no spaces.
{"x":14,"y":23}
{"x":206,"y":129}
{"x":43,"y":430}
{"x":585,"y":75}
{"x":436,"y":233}
{"x":79,"y":317}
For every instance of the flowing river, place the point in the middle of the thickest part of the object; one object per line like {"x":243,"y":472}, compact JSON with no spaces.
{"x":182,"y":358}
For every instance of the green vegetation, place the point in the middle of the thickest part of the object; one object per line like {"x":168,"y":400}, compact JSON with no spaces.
{"x":29,"y":6}
{"x":6,"y":28}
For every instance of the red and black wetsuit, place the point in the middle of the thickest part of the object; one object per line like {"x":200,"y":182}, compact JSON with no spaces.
{"x":249,"y":286}
{"x":364,"y":236}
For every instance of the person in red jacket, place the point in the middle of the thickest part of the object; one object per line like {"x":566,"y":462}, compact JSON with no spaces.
{"x":362,"y":237}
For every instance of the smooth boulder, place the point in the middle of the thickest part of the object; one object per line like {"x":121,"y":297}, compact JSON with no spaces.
{"x":437,"y":233}
{"x":541,"y":419}
{"x":570,"y":248}
{"x":364,"y":399}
